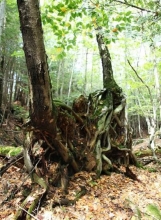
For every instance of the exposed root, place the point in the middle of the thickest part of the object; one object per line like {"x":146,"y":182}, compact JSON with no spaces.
{"x":29,"y":204}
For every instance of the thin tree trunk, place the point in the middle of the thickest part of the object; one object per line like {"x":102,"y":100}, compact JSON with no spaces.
{"x":92,"y":72}
{"x":16,"y":88}
{"x":7,"y":73}
{"x":58,"y":79}
{"x":71,"y":80}
{"x":11,"y":87}
{"x":157,"y":88}
{"x":139,"y":126}
{"x":85,"y":75}
{"x":2,"y":21}
{"x":1,"y":79}
{"x":2,"y":16}
{"x":62,"y":80}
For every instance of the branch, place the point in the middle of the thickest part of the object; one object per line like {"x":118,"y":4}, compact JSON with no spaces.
{"x":141,"y":81}
{"x":133,"y":6}
{"x":28,"y":213}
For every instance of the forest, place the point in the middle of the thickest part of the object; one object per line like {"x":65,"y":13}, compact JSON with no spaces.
{"x":80,"y":109}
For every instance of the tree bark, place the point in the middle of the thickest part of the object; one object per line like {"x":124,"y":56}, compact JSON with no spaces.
{"x":2,"y":21}
{"x":106,"y":62}
{"x":2,"y":16}
{"x":1,"y":79}
{"x":41,"y":107}
{"x":71,"y":80}
{"x":84,"y":88}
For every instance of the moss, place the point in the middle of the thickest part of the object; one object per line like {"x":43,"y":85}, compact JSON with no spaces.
{"x":10,"y":150}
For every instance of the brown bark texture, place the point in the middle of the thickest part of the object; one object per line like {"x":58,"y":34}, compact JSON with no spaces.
{"x":41,"y":106}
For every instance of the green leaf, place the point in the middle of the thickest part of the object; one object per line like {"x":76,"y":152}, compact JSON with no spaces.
{"x":154,"y":211}
{"x":119,"y":18}
{"x":19,"y":53}
{"x":128,"y":13}
{"x":90,"y":35}
{"x":69,"y":47}
{"x":73,"y":15}
{"x":66,"y":2}
{"x":79,"y":24}
{"x":128,"y":19}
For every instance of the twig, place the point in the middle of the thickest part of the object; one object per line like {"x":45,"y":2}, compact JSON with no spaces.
{"x":28,"y":212}
{"x":10,"y":163}
{"x":133,"y":6}
{"x":141,"y":81}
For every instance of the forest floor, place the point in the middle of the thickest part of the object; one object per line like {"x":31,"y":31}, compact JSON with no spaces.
{"x":114,"y":197}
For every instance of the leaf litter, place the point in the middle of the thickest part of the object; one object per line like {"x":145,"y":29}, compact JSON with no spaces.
{"x":115,"y":197}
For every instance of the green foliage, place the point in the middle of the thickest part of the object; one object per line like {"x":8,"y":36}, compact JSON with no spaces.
{"x":10,"y":151}
{"x":154,"y":211}
{"x":139,"y":153}
{"x":18,"y":53}
{"x":20,"y":111}
{"x":68,"y":19}
{"x":152,"y":170}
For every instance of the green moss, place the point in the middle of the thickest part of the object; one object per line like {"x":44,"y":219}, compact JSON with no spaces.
{"x":139,"y":165}
{"x":121,"y":146}
{"x":152,"y":170}
{"x":10,"y":150}
{"x":139,"y":153}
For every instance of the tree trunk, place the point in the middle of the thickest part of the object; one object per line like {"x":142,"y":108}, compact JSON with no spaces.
{"x":41,"y":107}
{"x":1,"y":79}
{"x":11,"y":87}
{"x":59,"y":72}
{"x":2,"y":21}
{"x":71,"y":80}
{"x":61,"y":89}
{"x":92,"y":72}
{"x":106,"y":63}
{"x":2,"y":16}
{"x":84,"y":89}
{"x":116,"y":134}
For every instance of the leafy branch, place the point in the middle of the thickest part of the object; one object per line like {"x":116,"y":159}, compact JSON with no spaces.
{"x":133,"y":6}
{"x":141,"y":81}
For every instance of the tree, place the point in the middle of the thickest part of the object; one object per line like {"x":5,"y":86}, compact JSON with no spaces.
{"x":92,"y":135}
{"x":2,"y":20}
